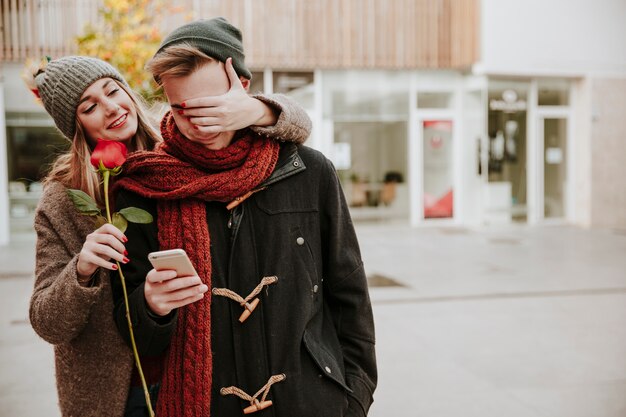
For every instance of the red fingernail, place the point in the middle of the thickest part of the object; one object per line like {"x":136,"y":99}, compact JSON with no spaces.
{"x":124,"y":239}
{"x":114,"y":266}
{"x":180,"y":112}
{"x":126,"y":260}
{"x":125,"y":252}
{"x":183,"y":104}
{"x":195,"y":127}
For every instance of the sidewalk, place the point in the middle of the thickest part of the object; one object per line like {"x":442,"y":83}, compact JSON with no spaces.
{"x":492,"y":322}
{"x":26,"y":378}
{"x":500,"y":322}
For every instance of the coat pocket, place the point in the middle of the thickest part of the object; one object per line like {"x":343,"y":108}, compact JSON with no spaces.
{"x":327,"y":363}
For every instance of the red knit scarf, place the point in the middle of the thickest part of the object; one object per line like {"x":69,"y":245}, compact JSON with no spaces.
{"x":182,"y":175}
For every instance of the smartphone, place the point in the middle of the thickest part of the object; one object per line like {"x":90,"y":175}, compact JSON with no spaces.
{"x":173,"y":259}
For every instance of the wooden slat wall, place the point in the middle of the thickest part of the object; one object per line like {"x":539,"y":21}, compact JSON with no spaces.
{"x":354,"y":33}
{"x":298,"y":34}
{"x":34,"y":28}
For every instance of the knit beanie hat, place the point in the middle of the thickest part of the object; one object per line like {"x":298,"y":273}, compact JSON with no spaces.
{"x":215,"y":37}
{"x":62,"y":82}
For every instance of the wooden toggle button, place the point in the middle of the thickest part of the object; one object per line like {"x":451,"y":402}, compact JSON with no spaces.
{"x":249,"y":308}
{"x":238,"y":200}
{"x":258,"y":406}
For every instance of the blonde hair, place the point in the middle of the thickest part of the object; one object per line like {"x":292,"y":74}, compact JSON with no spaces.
{"x":177,"y":61}
{"x":73,"y":169}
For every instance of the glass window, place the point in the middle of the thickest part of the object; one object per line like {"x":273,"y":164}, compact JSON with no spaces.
{"x":298,"y":85}
{"x":371,"y":160}
{"x":366,"y":95}
{"x":430,"y":100}
{"x":368,"y":111}
{"x":553,"y":92}
{"x":368,"y":104}
{"x":31,"y":150}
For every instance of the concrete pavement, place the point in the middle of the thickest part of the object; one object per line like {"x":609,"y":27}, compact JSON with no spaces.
{"x":490,"y":322}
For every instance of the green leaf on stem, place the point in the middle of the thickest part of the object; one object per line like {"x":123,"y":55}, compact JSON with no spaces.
{"x":120,"y":222}
{"x":83,"y":202}
{"x":100,"y":221}
{"x":136,"y":215}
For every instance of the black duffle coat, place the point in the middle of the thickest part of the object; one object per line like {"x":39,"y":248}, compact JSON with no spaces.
{"x":314,"y":325}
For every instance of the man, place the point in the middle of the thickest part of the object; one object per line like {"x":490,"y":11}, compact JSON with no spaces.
{"x":278,"y":320}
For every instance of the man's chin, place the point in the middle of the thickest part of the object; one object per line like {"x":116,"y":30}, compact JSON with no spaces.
{"x":213,"y":141}
{"x":208,"y":137}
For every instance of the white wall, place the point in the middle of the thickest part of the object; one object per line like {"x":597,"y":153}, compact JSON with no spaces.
{"x":608,"y":153}
{"x":553,"y":37}
{"x":4,"y":181}
{"x":14,"y":97}
{"x":473,"y":123}
{"x":583,"y":113}
{"x":17,"y":98}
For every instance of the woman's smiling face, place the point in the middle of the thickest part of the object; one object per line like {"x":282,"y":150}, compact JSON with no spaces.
{"x":106,"y":111}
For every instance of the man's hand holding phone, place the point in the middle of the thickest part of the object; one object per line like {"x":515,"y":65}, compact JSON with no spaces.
{"x":173,"y":283}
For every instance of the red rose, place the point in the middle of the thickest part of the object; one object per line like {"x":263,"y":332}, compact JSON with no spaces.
{"x":111,"y":153}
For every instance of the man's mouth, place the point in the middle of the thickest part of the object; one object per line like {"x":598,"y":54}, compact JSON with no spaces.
{"x":118,"y":122}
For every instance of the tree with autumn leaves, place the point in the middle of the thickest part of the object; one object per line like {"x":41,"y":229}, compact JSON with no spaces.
{"x":127,"y":35}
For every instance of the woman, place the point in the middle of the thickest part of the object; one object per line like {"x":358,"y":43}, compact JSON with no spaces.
{"x":71,"y":303}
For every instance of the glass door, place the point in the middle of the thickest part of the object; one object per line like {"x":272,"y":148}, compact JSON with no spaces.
{"x":553,"y":133}
{"x":507,"y":151}
{"x":438,"y":166}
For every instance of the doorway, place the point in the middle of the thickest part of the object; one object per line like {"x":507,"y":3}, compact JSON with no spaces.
{"x":438,"y":169}
{"x":507,"y":165}
{"x":553,"y":175}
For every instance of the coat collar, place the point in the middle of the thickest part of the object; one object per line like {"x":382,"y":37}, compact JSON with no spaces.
{"x":289,"y":163}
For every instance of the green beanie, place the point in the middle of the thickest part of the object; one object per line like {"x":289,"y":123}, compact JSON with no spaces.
{"x":62,"y":82}
{"x":215,"y":37}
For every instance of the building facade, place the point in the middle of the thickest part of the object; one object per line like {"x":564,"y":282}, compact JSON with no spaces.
{"x":460,"y":112}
